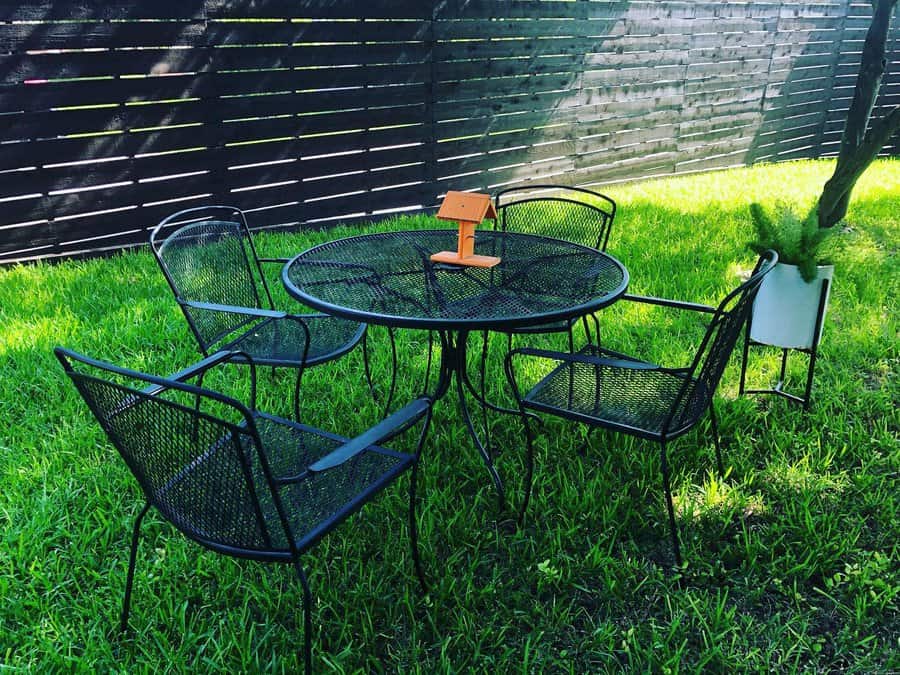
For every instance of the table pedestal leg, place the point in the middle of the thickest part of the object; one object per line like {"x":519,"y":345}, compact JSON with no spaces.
{"x":453,"y":362}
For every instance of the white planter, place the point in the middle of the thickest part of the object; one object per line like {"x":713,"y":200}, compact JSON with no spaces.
{"x":784,"y":312}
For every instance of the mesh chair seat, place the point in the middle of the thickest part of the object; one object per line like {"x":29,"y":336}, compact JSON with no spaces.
{"x":324,"y":498}
{"x":312,"y":505}
{"x":275,"y":341}
{"x":634,"y":400}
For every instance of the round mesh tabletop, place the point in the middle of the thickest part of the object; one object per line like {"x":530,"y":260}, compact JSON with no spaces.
{"x":389,"y":279}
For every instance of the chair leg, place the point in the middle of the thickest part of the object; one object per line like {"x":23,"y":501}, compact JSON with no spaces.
{"x":571,"y":369}
{"x":413,"y":530}
{"x":672,"y":525}
{"x":367,"y":368}
{"x":393,"y":387}
{"x":297,"y":395}
{"x":746,"y":352}
{"x":428,"y":362}
{"x":529,"y":468}
{"x":197,"y":400}
{"x":483,"y":375}
{"x":715,"y":430}
{"x":135,"y":534}
{"x":307,"y":619}
{"x":588,"y":338}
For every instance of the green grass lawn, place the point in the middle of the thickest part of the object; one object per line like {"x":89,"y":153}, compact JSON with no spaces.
{"x":791,"y":561}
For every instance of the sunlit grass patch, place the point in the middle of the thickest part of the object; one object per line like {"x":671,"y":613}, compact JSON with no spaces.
{"x":791,"y":557}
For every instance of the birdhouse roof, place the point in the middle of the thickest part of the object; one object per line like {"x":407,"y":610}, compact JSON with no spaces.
{"x":468,"y":207}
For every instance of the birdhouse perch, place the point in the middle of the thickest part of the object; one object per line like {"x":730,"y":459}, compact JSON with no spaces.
{"x":467,"y":209}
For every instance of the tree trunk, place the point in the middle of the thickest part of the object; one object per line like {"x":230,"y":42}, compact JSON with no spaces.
{"x":858,"y":148}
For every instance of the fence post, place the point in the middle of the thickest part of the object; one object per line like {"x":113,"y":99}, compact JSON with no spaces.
{"x":429,"y":190}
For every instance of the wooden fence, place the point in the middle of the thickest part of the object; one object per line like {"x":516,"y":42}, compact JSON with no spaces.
{"x":115,"y":113}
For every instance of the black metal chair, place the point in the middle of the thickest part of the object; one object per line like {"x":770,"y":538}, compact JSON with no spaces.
{"x":208,"y":257}
{"x":571,"y":213}
{"x":241,"y":482}
{"x":609,"y":390}
{"x":575,"y":214}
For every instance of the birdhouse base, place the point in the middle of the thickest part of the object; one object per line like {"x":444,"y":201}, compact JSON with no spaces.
{"x":454,"y":258}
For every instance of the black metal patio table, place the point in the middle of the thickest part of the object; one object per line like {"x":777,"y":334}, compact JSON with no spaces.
{"x":388,"y":279}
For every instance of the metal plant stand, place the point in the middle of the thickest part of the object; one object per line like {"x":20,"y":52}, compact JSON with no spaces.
{"x":812,"y":351}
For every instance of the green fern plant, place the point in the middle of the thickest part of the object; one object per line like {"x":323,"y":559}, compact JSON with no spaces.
{"x":798,"y":241}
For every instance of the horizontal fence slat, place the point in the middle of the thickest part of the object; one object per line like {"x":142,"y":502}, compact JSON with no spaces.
{"x":317,"y":9}
{"x":91,"y":34}
{"x":83,"y":10}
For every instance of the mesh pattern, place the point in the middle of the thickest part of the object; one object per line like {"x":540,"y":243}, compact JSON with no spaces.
{"x":643,"y":399}
{"x":640,"y":399}
{"x":560,"y":218}
{"x":282,"y":340}
{"x":388,"y":278}
{"x":723,"y":333}
{"x":211,"y":260}
{"x":190,"y":467}
{"x":206,"y":477}
{"x":207,"y":261}
{"x":317,"y":499}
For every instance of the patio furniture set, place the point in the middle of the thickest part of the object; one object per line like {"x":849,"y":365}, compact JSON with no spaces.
{"x":253,"y":485}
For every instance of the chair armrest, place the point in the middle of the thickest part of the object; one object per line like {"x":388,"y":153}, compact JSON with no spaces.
{"x":586,"y":359}
{"x":211,"y":361}
{"x":665,"y":302}
{"x":234,"y":309}
{"x":389,"y":427}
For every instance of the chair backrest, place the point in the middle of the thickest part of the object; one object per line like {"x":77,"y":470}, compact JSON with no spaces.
{"x":716,"y":347}
{"x":574,"y":214}
{"x":204,"y":472}
{"x":207,"y":255}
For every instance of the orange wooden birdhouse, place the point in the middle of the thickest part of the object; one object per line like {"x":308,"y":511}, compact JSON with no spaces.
{"x":467,"y":209}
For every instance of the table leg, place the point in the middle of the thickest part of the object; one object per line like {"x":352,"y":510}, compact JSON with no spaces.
{"x":453,"y":362}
